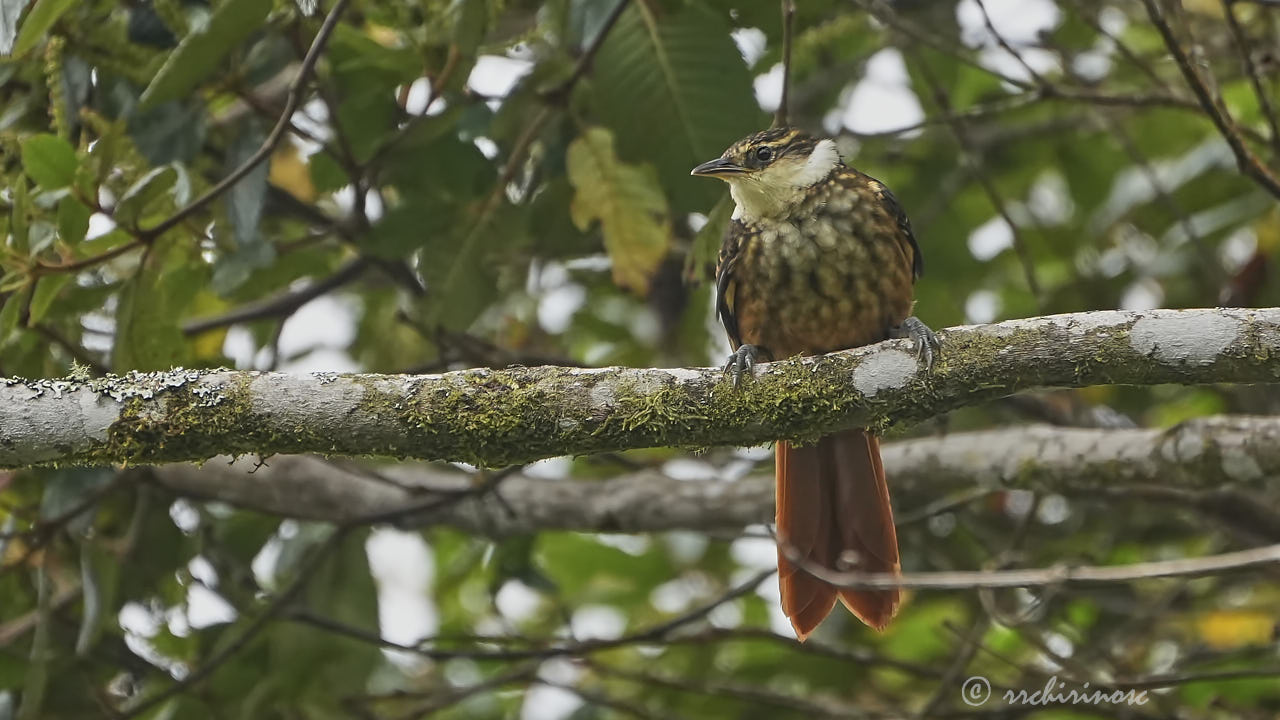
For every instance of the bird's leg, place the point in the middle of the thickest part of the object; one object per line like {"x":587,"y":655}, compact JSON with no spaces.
{"x":740,"y":360}
{"x":914,"y":329}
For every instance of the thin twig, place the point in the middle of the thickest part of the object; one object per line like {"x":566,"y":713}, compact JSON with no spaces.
{"x":78,"y":353}
{"x":882,"y":11}
{"x":77,"y":265}
{"x":788,"y":22}
{"x":283,"y":304}
{"x":1041,"y":577}
{"x":273,"y":138}
{"x":1004,"y":45}
{"x":1125,"y":51}
{"x":561,"y":91}
{"x":1251,"y":69}
{"x":1249,"y":164}
{"x":656,"y":634}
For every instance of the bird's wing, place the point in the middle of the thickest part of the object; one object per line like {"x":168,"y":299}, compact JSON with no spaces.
{"x":730,"y":251}
{"x":891,"y":202}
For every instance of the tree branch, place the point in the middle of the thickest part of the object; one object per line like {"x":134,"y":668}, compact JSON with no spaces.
{"x":502,"y":417}
{"x":1190,"y":463}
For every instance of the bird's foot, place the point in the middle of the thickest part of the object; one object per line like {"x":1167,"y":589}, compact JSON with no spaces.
{"x":741,"y":360}
{"x":914,"y":329}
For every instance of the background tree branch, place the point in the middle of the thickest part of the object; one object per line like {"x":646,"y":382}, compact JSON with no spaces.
{"x":502,"y":417}
{"x":1212,"y":462}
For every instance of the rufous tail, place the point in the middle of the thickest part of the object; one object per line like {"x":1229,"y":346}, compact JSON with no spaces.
{"x":834,"y":512}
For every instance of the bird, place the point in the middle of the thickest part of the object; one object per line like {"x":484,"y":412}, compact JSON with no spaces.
{"x":818,"y":257}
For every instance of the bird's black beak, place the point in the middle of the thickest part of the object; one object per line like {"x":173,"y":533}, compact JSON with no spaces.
{"x":718,"y":168}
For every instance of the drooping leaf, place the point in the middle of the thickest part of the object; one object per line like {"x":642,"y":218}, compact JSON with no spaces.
{"x":199,"y":53}
{"x":244,"y":210}
{"x":627,"y":201}
{"x":49,"y":160}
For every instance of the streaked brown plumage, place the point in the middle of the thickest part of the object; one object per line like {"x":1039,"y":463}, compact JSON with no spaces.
{"x":819,"y":257}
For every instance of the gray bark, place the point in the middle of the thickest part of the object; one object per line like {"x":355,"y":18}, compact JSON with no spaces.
{"x":1223,"y":464}
{"x":502,"y":417}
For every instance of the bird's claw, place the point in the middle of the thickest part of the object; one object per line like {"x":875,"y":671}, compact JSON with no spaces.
{"x":921,"y":336}
{"x":741,"y":360}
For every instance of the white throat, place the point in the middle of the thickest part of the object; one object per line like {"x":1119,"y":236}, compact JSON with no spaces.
{"x":770,"y":192}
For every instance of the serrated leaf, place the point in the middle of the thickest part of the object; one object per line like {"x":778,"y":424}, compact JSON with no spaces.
{"x":200,"y":52}
{"x":49,"y":160}
{"x":42,"y":17}
{"x":675,"y":91}
{"x":627,"y":201}
{"x":46,"y":292}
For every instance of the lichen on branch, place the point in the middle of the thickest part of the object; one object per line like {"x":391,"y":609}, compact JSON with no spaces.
{"x":500,"y":417}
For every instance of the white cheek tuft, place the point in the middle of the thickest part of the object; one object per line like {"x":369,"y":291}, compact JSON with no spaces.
{"x":820,"y":163}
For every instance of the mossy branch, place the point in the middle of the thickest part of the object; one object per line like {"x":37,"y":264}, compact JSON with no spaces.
{"x":500,"y":417}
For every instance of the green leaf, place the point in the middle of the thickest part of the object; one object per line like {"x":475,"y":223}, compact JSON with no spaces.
{"x":706,"y":244}
{"x":627,"y":201}
{"x":11,"y":312}
{"x":201,"y":52}
{"x":462,"y":273}
{"x":675,"y":91}
{"x":246,"y":197}
{"x":326,"y":174}
{"x":170,"y":132}
{"x":19,"y":222}
{"x":46,"y":292}
{"x":42,"y":17}
{"x":73,"y":220}
{"x":152,"y":302}
{"x":49,"y":160}
{"x":143,"y":192}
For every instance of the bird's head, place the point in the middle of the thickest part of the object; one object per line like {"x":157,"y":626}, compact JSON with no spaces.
{"x":769,"y":171}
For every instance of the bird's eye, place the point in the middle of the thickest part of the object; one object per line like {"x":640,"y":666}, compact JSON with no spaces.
{"x":764,"y":154}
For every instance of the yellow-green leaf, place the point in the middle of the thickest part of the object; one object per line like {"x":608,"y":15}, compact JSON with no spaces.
{"x":627,"y":201}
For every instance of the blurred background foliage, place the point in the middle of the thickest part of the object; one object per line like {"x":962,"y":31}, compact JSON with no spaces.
{"x":489,"y":182}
